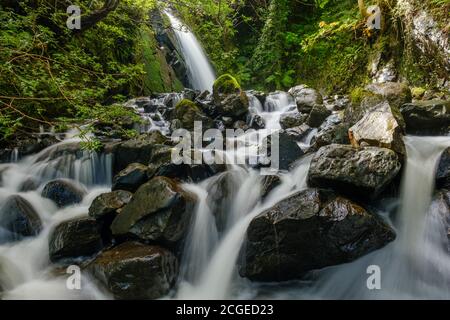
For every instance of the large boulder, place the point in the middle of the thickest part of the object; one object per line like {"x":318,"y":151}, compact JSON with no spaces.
{"x":427,"y":117}
{"x":383,"y":126}
{"x":361,"y":172}
{"x":18,"y":220}
{"x":309,"y":230}
{"x":443,"y":170}
{"x":134,"y":271}
{"x":130,"y":178}
{"x":107,"y":204}
{"x":188,"y":113}
{"x":333,"y":134}
{"x":160,"y":210}
{"x":319,"y":113}
{"x":286,"y":153}
{"x":137,"y":150}
{"x":305,"y":98}
{"x":229,"y":98}
{"x":63,"y":192}
{"x":290,"y":120}
{"x":396,"y":93}
{"x":74,"y":239}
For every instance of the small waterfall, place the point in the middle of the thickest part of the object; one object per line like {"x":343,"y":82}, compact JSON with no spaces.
{"x":200,"y":72}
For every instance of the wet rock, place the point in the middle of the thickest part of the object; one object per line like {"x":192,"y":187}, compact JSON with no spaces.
{"x":108,"y":203}
{"x":305,"y":98}
{"x":76,"y":238}
{"x":317,"y":116}
{"x":443,"y":170}
{"x":383,"y":126}
{"x":336,"y":134}
{"x":240,"y":125}
{"x":188,"y":113}
{"x":161,"y":164}
{"x":310,"y":230}
{"x":159,"y":210}
{"x":299,"y":133}
{"x":18,"y":219}
{"x":134,"y":271}
{"x":131,"y":178}
{"x":288,"y":121}
{"x":229,"y":99}
{"x":257,"y":122}
{"x":427,"y":117}
{"x":286,"y":149}
{"x":355,"y":172}
{"x":63,"y":192}
{"x":269,"y":183}
{"x":137,"y":150}
{"x":29,"y":185}
{"x":396,"y":93}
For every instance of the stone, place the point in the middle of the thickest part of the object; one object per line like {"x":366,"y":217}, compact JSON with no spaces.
{"x":319,"y":113}
{"x":383,"y":126}
{"x":75,"y":239}
{"x":309,"y":230}
{"x":135,"y":271}
{"x":288,"y":121}
{"x":130,"y":178}
{"x":63,"y":192}
{"x":396,"y":93}
{"x":107,"y":204}
{"x":305,"y":98}
{"x":427,"y":117}
{"x":364,"y":172}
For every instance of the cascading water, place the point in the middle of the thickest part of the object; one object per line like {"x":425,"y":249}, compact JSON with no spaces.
{"x":25,"y":272}
{"x":200,"y":72}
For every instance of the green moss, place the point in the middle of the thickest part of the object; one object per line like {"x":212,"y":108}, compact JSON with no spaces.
{"x":418,"y":92}
{"x":226,"y":84}
{"x":186,"y":104}
{"x":187,"y":112}
{"x":357,"y":95}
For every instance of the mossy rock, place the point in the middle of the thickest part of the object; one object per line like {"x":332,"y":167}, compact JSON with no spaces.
{"x":187,"y":112}
{"x":226,"y":84}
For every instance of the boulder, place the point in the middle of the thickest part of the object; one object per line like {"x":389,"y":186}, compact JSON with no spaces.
{"x":292,"y":120}
{"x":159,"y":210}
{"x":130,"y":178}
{"x":63,"y":192}
{"x":309,"y":230}
{"x":396,"y":93}
{"x":361,"y":172}
{"x":299,"y":133}
{"x":305,"y":98}
{"x":257,"y":122}
{"x":135,"y":271}
{"x":29,"y":184}
{"x":336,"y":134}
{"x":319,"y":113}
{"x":137,"y":150}
{"x":107,"y":204}
{"x":18,"y":219}
{"x":288,"y":150}
{"x":269,"y":183}
{"x":74,"y":239}
{"x":383,"y":126}
{"x":188,"y":113}
{"x":427,"y":117}
{"x":229,"y":99}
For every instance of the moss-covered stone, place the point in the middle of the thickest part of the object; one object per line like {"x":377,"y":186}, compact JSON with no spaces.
{"x":187,"y":112}
{"x":226,"y":84}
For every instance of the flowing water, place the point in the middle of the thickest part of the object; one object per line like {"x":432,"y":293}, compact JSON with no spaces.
{"x":415,"y":265}
{"x":200,"y":72}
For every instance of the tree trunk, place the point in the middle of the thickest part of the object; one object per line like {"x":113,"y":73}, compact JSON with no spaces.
{"x":93,"y":18}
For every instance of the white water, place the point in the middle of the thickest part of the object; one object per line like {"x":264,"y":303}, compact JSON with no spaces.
{"x":25,"y":270}
{"x":200,"y":72}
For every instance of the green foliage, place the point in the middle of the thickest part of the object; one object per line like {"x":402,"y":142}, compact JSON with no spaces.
{"x":226,"y":84}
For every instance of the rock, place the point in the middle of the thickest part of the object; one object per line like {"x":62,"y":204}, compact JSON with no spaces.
{"x":310,"y":230}
{"x":336,"y":134}
{"x":137,"y":150}
{"x":134,"y":271}
{"x":443,"y":170}
{"x":427,"y":117}
{"x":73,"y":239}
{"x":29,"y":185}
{"x":257,"y":122}
{"x":299,"y":133}
{"x":288,"y":150}
{"x":161,"y":164}
{"x":268,"y":184}
{"x":355,"y":172}
{"x":362,"y":102}
{"x":229,"y":99}
{"x":317,"y":116}
{"x":288,"y":121}
{"x":188,"y":113}
{"x":159,"y":210}
{"x":240,"y":125}
{"x":63,"y":192}
{"x":396,"y":93}
{"x":131,"y":178}
{"x":107,"y":204}
{"x":382,"y":127}
{"x":305,"y":98}
{"x":18,"y":219}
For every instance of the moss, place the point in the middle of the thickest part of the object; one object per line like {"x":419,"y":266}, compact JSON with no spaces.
{"x":226,"y":84}
{"x":185,"y":105}
{"x":187,"y":112}
{"x":418,"y":92}
{"x":357,"y":95}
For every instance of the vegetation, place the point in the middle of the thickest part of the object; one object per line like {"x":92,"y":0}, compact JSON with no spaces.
{"x":226,"y":84}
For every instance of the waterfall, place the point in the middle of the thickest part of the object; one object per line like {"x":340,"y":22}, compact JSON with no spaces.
{"x":200,"y":72}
